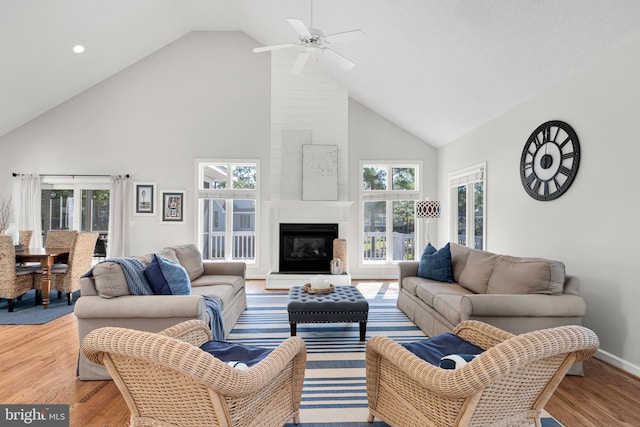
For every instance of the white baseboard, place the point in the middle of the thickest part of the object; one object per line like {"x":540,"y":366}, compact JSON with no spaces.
{"x":618,"y":362}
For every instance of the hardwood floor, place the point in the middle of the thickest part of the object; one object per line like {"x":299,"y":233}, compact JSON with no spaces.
{"x":38,"y":365}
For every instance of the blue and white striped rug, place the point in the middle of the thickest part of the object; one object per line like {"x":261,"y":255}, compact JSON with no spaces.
{"x":334,"y":392}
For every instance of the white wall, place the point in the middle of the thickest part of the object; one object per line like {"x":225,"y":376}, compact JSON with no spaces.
{"x":590,"y":228}
{"x":204,"y":96}
{"x":207,"y":95}
{"x":372,"y":137}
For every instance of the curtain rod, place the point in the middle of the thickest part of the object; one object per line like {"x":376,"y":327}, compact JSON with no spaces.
{"x":71,"y":175}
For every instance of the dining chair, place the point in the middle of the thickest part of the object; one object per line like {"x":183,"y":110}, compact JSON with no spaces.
{"x":13,"y":283}
{"x":66,"y":277}
{"x":60,"y":238}
{"x":25,"y":237}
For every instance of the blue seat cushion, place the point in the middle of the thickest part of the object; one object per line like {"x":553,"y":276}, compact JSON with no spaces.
{"x":229,"y":352}
{"x":432,"y":350}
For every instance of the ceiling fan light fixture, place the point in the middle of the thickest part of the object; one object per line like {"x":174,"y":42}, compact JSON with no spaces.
{"x":312,"y":39}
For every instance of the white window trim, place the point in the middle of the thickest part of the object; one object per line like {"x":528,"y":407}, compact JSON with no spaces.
{"x":228,"y":193}
{"x":468,"y":175}
{"x":385,"y":195}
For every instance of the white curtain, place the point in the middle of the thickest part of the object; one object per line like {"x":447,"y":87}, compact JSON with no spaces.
{"x":117,"y":216}
{"x":27,"y":206}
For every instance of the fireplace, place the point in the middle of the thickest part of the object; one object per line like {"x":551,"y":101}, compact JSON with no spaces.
{"x":306,"y":248}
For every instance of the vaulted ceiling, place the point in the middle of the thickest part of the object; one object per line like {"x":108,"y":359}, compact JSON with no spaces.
{"x":437,"y":68}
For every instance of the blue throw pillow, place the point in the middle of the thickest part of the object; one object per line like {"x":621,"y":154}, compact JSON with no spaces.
{"x":436,"y":265}
{"x":432,"y":350}
{"x":156,"y":279}
{"x":176,"y":276}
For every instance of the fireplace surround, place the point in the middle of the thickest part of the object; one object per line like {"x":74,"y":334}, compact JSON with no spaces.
{"x":309,"y":212}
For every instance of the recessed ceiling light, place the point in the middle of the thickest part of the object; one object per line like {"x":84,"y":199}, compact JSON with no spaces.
{"x":78,"y":48}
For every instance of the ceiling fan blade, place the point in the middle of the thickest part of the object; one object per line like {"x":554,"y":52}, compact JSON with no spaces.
{"x":275,"y":47}
{"x":341,"y":60}
{"x":300,"y":61}
{"x":344,"y":36}
{"x":299,"y":26}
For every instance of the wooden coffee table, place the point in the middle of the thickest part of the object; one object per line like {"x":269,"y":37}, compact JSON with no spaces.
{"x":344,"y":304}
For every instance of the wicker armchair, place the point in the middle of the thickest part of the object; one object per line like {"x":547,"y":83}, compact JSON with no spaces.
{"x":167,"y":380}
{"x":508,"y":384}
{"x":66,"y":277}
{"x":13,"y":283}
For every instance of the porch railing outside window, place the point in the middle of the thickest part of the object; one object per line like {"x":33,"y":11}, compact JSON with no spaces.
{"x":375,"y":246}
{"x":244,"y":245}
{"x":228,"y":193}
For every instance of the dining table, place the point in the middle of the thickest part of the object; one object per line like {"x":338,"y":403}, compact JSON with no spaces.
{"x":47,"y":257}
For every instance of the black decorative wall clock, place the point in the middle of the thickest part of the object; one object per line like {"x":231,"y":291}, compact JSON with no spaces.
{"x":550,"y":160}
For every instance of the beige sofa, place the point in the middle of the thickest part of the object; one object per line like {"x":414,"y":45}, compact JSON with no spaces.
{"x":514,"y":294}
{"x":105,"y":299}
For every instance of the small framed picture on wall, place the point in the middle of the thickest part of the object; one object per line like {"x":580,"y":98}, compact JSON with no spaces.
{"x":173,"y":205}
{"x":144,"y":198}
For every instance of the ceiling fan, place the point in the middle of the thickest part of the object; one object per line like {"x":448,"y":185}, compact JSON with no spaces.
{"x":313,"y":40}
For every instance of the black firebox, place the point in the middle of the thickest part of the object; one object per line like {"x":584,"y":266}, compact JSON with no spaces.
{"x":306,"y":248}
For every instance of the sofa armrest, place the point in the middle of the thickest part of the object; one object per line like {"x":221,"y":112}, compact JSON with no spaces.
{"x":88,"y":286}
{"x":231,"y":268}
{"x":141,"y":306}
{"x":522,"y":305}
{"x":407,"y":269}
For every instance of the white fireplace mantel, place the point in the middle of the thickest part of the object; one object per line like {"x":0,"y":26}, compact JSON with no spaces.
{"x":308,"y":211}
{"x":303,"y":211}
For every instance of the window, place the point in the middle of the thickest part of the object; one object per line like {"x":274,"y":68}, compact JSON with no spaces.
{"x":227,"y":213}
{"x":388,"y":193}
{"x":70,"y":203}
{"x":468,"y":196}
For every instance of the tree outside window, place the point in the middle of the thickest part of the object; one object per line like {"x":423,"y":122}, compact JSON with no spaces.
{"x":389,"y":192}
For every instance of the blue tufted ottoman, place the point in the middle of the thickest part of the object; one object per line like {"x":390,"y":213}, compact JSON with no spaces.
{"x":344,"y":304}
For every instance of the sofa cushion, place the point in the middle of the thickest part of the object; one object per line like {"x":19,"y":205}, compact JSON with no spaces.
{"x":168,"y":253}
{"x":109,"y":280}
{"x":436,"y":265}
{"x":459,"y":256}
{"x":432,"y":350}
{"x":191,"y":259}
{"x":237,"y":282}
{"x":513,"y":275}
{"x":427,"y":290}
{"x":156,"y":279}
{"x":449,"y":306}
{"x":176,"y":276}
{"x":410,"y":284}
{"x":224,"y":292}
{"x":477,"y":271}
